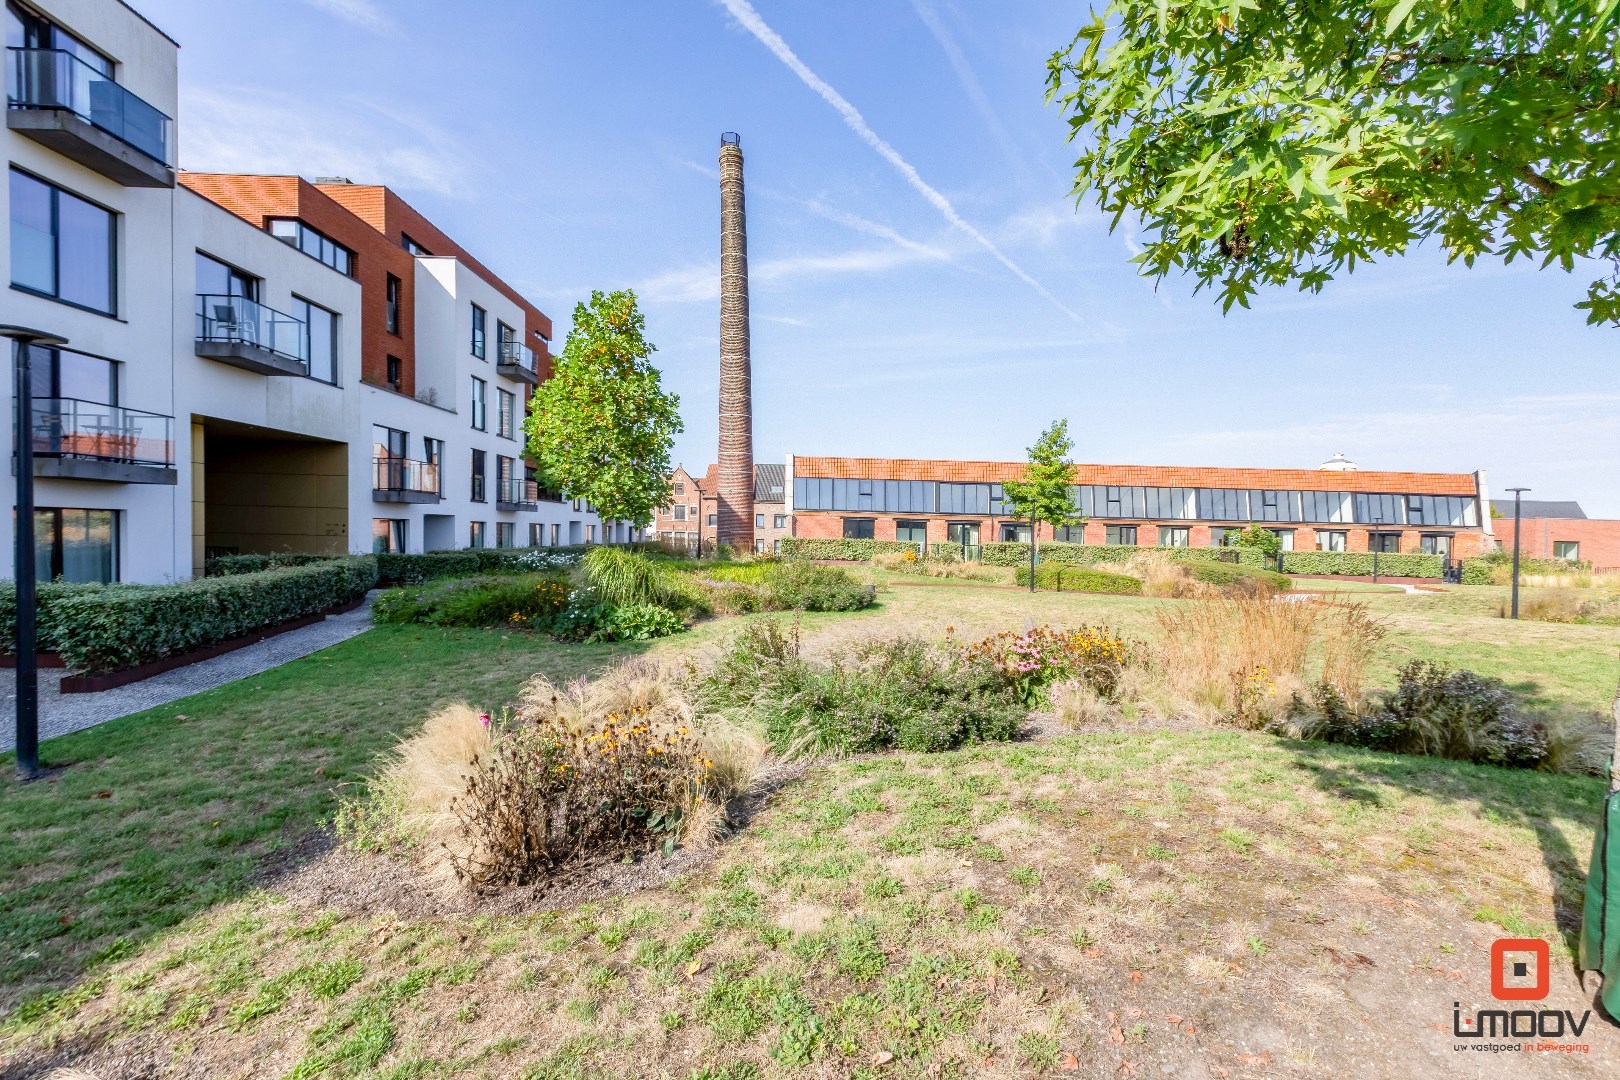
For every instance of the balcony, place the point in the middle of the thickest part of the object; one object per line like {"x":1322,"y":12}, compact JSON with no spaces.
{"x":243,"y":333}
{"x":86,"y":440}
{"x":517,"y":494}
{"x":57,"y":99}
{"x":401,"y":480}
{"x":517,"y":361}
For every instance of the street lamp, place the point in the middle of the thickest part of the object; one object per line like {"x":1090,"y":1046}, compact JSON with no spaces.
{"x":1517,"y":493}
{"x":23,"y":339}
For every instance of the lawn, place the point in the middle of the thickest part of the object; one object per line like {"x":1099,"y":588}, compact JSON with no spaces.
{"x":995,"y":903}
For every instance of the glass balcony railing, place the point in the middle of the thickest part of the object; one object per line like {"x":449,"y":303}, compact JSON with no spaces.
{"x":232,"y":319}
{"x":517,"y":354}
{"x":70,"y":428}
{"x":404,"y":474}
{"x":517,"y":491}
{"x":56,"y":79}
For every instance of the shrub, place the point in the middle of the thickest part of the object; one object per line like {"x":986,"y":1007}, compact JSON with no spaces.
{"x":1496,"y":567}
{"x":622,"y":578}
{"x":839,"y":550}
{"x":122,"y":626}
{"x":1240,"y":578}
{"x":530,"y":601}
{"x":1360,"y":563}
{"x":1057,"y":551}
{"x":1029,"y":662}
{"x":803,"y":586}
{"x":229,"y":565}
{"x":938,"y":565}
{"x":1063,"y":578}
{"x":871,"y":695}
{"x":1258,"y":538}
{"x":640,"y":622}
{"x":403,"y":568}
{"x":46,"y":623}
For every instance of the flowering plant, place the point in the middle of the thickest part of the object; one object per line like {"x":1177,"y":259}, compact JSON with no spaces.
{"x":1038,"y":657}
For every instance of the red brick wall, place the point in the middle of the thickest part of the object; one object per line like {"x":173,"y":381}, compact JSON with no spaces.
{"x":1599,"y":539}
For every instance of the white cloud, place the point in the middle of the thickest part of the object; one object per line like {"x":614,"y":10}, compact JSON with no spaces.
{"x":362,"y":13}
{"x":745,"y":14}
{"x":967,"y":78}
{"x":255,"y":131}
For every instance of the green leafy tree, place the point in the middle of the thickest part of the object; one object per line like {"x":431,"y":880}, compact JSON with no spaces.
{"x":1268,"y":143}
{"x":601,"y":427}
{"x":1260,"y":538}
{"x":1043,"y":494}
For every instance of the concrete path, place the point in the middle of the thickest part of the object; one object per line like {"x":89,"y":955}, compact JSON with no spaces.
{"x":61,"y":713}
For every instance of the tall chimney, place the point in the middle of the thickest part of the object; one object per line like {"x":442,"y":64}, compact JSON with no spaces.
{"x":734,"y":523}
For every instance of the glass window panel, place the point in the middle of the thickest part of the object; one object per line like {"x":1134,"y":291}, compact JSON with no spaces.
{"x":33,"y":243}
{"x":84,"y":253}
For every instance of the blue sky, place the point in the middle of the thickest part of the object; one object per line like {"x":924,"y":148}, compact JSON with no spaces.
{"x":951,"y":312}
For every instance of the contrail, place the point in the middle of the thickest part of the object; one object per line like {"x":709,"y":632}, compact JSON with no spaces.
{"x":744,"y":13}
{"x":965,"y":76}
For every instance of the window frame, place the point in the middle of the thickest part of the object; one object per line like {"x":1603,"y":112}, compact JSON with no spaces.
{"x":1112,"y":533}
{"x":480,"y":404}
{"x":310,"y":306}
{"x":1572,"y":555}
{"x":113,"y":226}
{"x":869,"y":524}
{"x":58,"y":548}
{"x":505,"y":414}
{"x":480,"y":333}
{"x":479,"y":480}
{"x":393,"y":296}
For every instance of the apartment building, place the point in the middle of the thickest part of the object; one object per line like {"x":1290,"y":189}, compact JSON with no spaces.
{"x":692,"y":516}
{"x":1558,"y":530}
{"x":1336,"y":507}
{"x":252,"y":364}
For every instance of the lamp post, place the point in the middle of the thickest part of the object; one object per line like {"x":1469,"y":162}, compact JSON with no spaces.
{"x":22,"y":339}
{"x":1517,"y":493}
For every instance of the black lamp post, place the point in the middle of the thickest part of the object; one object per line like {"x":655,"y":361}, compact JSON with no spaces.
{"x":1517,"y":492}
{"x":23,"y":339}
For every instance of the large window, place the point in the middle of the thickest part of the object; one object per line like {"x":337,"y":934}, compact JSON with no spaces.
{"x":61,"y":373}
{"x":477,"y":476}
{"x":1388,"y":543}
{"x":505,"y":534}
{"x":215,"y":278}
{"x":393,"y":299}
{"x":1330,"y":540}
{"x":858,"y":528}
{"x":1567,"y":549}
{"x":1435,"y":544}
{"x":480,"y":320}
{"x":389,"y":534}
{"x":62,"y":246}
{"x":316,"y":245}
{"x":75,"y":545}
{"x":909,"y":532}
{"x":1121,"y":534}
{"x":475,"y":534}
{"x":321,"y":328}
{"x":480,"y":404}
{"x":1071,"y":534}
{"x":1222,"y":536}
{"x":505,"y":413}
{"x":1174,"y":536}
{"x":1285,"y":536}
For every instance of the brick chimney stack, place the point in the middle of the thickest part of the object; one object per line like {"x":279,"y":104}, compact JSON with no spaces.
{"x":734,"y":523}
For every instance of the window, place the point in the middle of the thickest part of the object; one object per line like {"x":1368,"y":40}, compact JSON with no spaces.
{"x":776,"y":546}
{"x":388,"y":534}
{"x":1013,"y":533}
{"x":505,"y":534}
{"x":316,"y":245}
{"x":1174,"y":536}
{"x":27,"y":30}
{"x":412,"y":246}
{"x":910,"y":532}
{"x":62,"y":373}
{"x":395,"y":379}
{"x":505,"y":411}
{"x":75,"y":545}
{"x":556,"y":535}
{"x":857,"y":528}
{"x":759,"y":546}
{"x":590,"y":534}
{"x":779,"y":521}
{"x":712,"y":518}
{"x":62,"y":246}
{"x":215,"y":278}
{"x":1286,"y":536}
{"x":477,"y":476}
{"x":478,"y":321}
{"x":680,"y":513}
{"x":1388,"y":543}
{"x":1220,"y":536}
{"x":505,"y":339}
{"x":1071,"y":534}
{"x":1567,"y":549}
{"x":480,"y":404}
{"x":1330,"y":540}
{"x":1435,"y":544}
{"x":759,"y":521}
{"x":537,"y":534}
{"x":680,"y":489}
{"x":1121,"y":534}
{"x":393,"y":304}
{"x":475,"y":534}
{"x":320,"y":330}
{"x":433,"y":451}
{"x":387,"y":442}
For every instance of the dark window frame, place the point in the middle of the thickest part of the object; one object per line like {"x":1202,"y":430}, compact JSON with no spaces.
{"x":113,"y":217}
{"x":479,"y":485}
{"x":480,"y":332}
{"x":392,"y":298}
{"x":865,"y":525}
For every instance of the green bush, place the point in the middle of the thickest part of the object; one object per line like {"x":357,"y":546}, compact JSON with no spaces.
{"x":1057,"y":551}
{"x":46,"y":594}
{"x":230,"y":565}
{"x":122,"y":626}
{"x":640,"y":622}
{"x":531,"y":601}
{"x":623,"y":578}
{"x":1066,"y":578}
{"x":1228,"y":574}
{"x":803,"y":586}
{"x":401,"y":568}
{"x":832,"y":549}
{"x":1360,"y":564}
{"x":1496,"y":567}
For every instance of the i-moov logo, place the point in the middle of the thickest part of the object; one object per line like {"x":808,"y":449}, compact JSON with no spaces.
{"x":1521,"y":971}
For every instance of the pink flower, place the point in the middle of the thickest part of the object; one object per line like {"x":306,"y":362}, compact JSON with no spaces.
{"x":483,"y":718}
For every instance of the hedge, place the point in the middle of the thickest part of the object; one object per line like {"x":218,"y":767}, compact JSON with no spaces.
{"x":230,"y":565}
{"x":1056,"y":551}
{"x":1067,"y":577}
{"x":46,"y":596}
{"x":402,"y":568}
{"x":1214,"y":573}
{"x":840,"y":549}
{"x":1360,"y":563}
{"x":111,"y":627}
{"x":1497,"y":568}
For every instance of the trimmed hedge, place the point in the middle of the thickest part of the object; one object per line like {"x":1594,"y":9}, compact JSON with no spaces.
{"x":1223,"y":574}
{"x":402,"y":568}
{"x":111,"y":627}
{"x":838,"y":549}
{"x":1360,"y":564}
{"x":1008,"y":553}
{"x":47,"y":594}
{"x":1062,"y":577}
{"x":231,"y":565}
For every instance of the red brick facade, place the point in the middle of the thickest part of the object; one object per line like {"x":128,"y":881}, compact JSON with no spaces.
{"x":698,"y":498}
{"x":370,"y":221}
{"x":1599,"y":540}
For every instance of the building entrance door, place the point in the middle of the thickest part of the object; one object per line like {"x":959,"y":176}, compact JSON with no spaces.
{"x":966,"y":535}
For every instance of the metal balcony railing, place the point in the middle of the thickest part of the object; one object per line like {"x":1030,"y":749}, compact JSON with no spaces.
{"x":88,"y":430}
{"x":237,"y":319}
{"x":517,"y":490}
{"x":404,"y":474}
{"x":516,"y":354}
{"x":56,"y":79}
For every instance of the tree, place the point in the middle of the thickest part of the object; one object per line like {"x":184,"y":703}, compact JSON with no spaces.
{"x":1262,"y":144}
{"x":1260,"y":538}
{"x":601,"y":427}
{"x":1043,"y":494}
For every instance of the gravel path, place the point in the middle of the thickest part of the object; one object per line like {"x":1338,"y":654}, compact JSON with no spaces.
{"x":61,"y":713}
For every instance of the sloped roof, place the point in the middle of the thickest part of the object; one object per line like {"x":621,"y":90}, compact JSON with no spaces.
{"x":1540,"y":508}
{"x":769,"y":483}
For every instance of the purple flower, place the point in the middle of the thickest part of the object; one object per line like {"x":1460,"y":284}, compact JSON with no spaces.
{"x":483,"y":718}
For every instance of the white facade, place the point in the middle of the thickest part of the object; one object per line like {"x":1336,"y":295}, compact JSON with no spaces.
{"x":256,"y":462}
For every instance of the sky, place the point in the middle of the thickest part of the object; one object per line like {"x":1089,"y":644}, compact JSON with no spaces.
{"x":922,"y":282}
